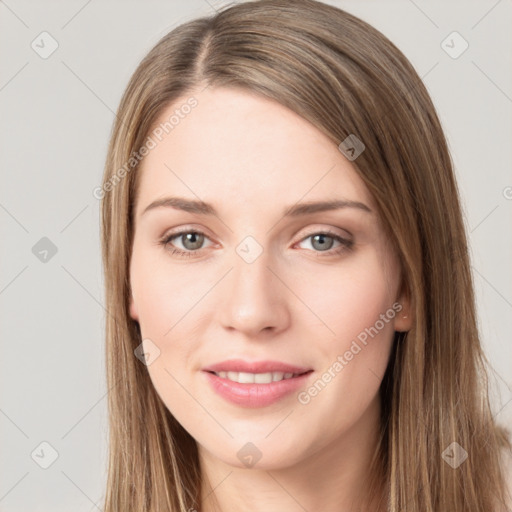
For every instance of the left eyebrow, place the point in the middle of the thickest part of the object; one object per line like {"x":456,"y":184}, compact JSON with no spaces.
{"x":297,"y":210}
{"x":323,"y":206}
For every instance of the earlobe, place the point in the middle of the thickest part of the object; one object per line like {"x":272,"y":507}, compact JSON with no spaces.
{"x":404,"y":316}
{"x":133,"y":310}
{"x":403,"y":322}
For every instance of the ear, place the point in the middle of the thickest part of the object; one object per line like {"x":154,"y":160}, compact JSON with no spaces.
{"x":404,"y":315}
{"x":133,"y":309}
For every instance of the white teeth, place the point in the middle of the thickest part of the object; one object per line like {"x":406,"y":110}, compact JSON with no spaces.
{"x":258,"y":378}
{"x":244,"y":378}
{"x":232,"y":376}
{"x":262,"y":378}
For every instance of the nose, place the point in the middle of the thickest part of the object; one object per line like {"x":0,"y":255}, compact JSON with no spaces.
{"x":254,"y":299}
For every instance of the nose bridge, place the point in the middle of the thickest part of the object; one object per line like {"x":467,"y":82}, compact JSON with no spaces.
{"x":253,"y":299}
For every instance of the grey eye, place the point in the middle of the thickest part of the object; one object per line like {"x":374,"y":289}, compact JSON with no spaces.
{"x":319,"y":242}
{"x":191,"y":240}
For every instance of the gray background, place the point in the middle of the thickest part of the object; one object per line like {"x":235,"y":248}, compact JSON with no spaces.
{"x":56,"y":116}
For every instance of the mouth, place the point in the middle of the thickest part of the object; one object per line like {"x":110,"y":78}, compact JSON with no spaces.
{"x":255,"y":390}
{"x":255,"y":383}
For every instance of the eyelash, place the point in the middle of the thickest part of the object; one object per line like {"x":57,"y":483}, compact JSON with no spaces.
{"x":346,"y":245}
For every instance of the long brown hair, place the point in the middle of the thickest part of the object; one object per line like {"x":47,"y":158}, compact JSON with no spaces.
{"x":345,"y":77}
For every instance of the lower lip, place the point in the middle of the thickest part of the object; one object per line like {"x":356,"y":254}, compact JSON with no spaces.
{"x":255,"y":395}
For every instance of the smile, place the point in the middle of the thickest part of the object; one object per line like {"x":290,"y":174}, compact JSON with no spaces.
{"x":255,"y":389}
{"x":256,"y":378}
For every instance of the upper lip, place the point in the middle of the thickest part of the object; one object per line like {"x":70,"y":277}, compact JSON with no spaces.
{"x":239,"y":365}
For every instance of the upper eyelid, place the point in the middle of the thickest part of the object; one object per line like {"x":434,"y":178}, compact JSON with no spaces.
{"x":176,"y":234}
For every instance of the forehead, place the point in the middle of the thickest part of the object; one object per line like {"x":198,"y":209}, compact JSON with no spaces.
{"x":240,"y":147}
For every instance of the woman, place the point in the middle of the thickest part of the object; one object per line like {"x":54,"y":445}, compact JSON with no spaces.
{"x":292,"y":321}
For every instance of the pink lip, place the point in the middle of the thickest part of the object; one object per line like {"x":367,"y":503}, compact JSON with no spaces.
{"x":239,"y":365}
{"x":254,"y":395}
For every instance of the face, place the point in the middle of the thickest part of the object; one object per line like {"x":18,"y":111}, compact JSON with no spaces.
{"x":244,"y":278}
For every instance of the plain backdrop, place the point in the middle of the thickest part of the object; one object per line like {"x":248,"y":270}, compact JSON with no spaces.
{"x":56,"y":115}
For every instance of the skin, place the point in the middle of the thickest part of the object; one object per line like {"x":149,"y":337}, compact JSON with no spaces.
{"x":251,"y":157}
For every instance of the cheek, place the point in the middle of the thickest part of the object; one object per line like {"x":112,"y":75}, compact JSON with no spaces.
{"x":165,"y":300}
{"x":169,"y":299}
{"x":351,"y":302}
{"x":357,"y":306}
{"x":163,"y":295}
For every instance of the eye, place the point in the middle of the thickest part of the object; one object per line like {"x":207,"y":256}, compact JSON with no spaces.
{"x":323,"y":242}
{"x":191,"y":241}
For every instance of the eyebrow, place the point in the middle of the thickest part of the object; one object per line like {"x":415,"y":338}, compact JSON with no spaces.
{"x":202,"y":208}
